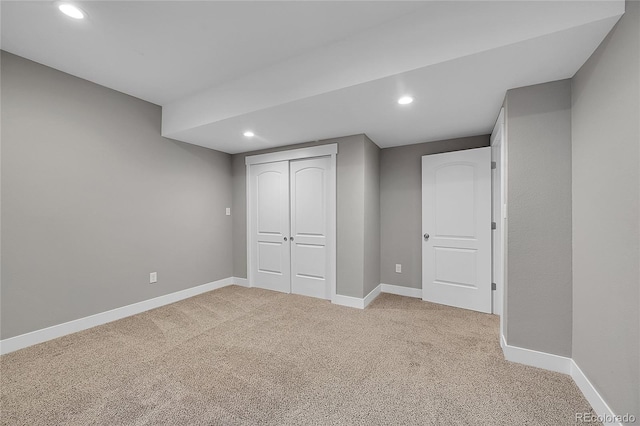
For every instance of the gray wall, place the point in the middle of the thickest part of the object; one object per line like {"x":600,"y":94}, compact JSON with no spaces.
{"x":371,"y":224}
{"x":94,"y":199}
{"x":606,"y":234}
{"x":401,"y":207}
{"x":349,"y":216}
{"x":538,"y":130}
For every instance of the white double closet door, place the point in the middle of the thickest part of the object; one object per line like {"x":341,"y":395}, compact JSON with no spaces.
{"x":289,"y":226}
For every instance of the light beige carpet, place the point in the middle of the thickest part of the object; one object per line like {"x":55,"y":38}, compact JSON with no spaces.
{"x":239,"y":356}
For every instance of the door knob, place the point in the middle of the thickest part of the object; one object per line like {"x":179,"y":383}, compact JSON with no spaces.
{"x":426,"y":237}
{"x":291,"y":238}
{"x":285,"y":238}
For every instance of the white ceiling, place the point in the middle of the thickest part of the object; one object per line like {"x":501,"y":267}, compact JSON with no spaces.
{"x":299,"y":71}
{"x":160,"y":51}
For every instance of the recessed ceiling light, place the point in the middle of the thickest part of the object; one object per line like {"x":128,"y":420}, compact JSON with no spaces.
{"x":71,"y":11}
{"x":249,"y":134}
{"x":405,"y":100}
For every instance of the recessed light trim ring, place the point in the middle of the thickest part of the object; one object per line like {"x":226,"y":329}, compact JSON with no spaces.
{"x":405,"y":100}
{"x":71,"y":11}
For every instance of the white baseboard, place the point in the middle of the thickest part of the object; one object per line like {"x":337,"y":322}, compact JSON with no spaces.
{"x":534,"y":358}
{"x":242,"y":282}
{"x":28,"y":339}
{"x":372,"y":295}
{"x":351,"y":302}
{"x":591,"y":394}
{"x":564,"y":365}
{"x":356,"y":302}
{"x":401,"y":290}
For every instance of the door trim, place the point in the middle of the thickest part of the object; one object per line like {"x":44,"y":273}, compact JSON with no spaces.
{"x":293,"y":154}
{"x":330,"y":150}
{"x":498,"y":141}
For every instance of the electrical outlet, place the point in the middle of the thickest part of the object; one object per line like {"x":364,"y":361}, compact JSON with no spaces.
{"x":398,"y":268}
{"x":153,"y":277}
{"x":228,"y":211}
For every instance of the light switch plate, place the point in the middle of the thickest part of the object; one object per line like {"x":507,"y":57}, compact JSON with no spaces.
{"x":398,"y":268}
{"x":228,"y":211}
{"x":153,"y":277}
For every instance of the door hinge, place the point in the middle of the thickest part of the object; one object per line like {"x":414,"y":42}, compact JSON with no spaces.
{"x":493,"y":225}
{"x":494,"y":165}
{"x":493,"y":286}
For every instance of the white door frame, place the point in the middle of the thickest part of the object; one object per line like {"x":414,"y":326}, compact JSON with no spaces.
{"x":297,"y":154}
{"x":498,"y":142}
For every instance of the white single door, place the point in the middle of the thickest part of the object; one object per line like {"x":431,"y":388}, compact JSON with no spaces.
{"x":456,"y":227}
{"x":309,"y":227}
{"x":270,"y":250}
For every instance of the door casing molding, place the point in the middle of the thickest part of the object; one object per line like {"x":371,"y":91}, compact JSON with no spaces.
{"x":498,"y":142}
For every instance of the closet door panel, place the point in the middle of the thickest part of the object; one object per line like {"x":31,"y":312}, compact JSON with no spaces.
{"x":269,"y":216}
{"x":309,"y":213}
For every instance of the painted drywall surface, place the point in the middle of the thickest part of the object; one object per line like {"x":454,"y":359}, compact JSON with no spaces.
{"x":401,"y":206}
{"x":349,"y":214}
{"x":539,"y":217}
{"x":371,"y":216}
{"x":606,"y":234}
{"x":94,"y":199}
{"x":239,"y":215}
